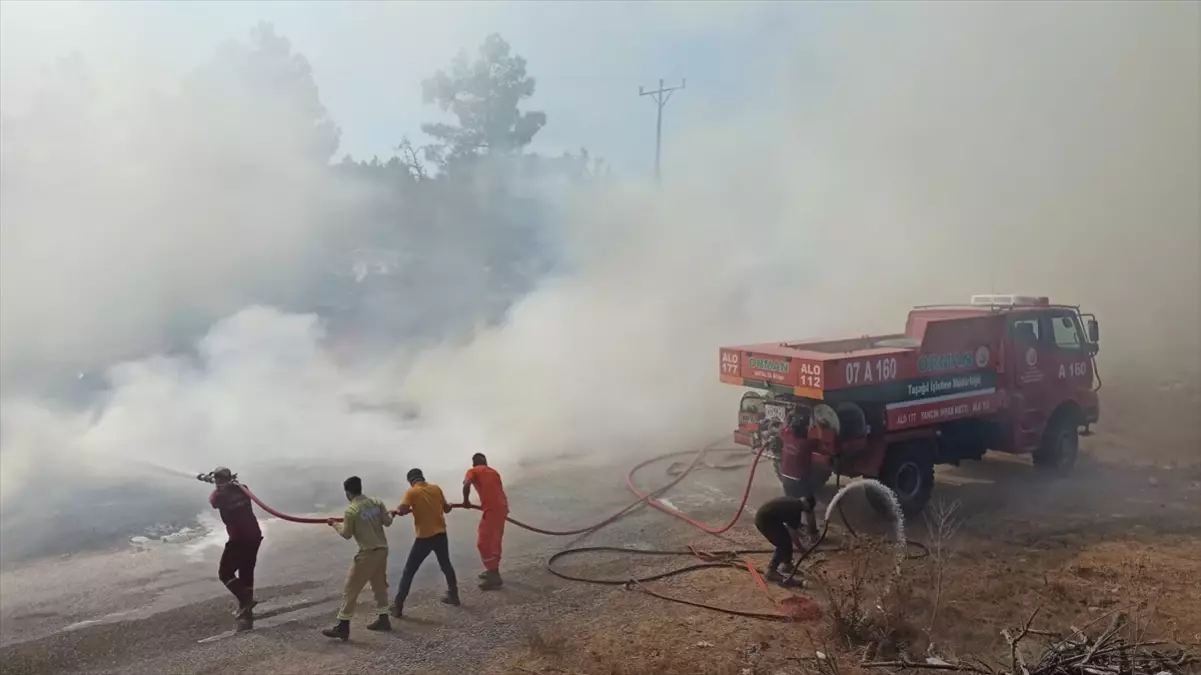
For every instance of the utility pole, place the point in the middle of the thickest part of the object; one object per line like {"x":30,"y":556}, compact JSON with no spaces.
{"x":661,"y":96}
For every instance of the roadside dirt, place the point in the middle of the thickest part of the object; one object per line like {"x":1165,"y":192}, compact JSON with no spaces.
{"x":1113,"y":537}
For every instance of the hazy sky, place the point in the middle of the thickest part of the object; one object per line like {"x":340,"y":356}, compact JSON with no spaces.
{"x":370,"y":57}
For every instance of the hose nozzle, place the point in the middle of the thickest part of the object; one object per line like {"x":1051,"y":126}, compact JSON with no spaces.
{"x":221,"y":473}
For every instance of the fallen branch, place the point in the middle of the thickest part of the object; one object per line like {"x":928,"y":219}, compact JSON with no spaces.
{"x":919,"y":665}
{"x":1076,"y":654}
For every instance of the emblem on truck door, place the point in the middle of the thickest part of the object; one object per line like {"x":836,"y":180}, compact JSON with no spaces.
{"x":982,"y":356}
{"x":1031,"y":356}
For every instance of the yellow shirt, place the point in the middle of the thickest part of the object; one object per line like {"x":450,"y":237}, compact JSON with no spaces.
{"x":428,"y":504}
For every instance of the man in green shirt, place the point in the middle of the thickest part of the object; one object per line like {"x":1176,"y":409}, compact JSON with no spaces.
{"x":365,"y":520}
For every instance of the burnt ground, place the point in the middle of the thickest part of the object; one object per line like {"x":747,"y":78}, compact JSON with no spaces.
{"x":1115,"y":534}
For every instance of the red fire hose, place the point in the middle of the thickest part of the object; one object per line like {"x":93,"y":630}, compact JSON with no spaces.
{"x":791,"y":609}
{"x":643,"y":497}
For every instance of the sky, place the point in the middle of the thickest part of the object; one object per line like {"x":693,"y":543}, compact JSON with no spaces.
{"x":369,"y":57}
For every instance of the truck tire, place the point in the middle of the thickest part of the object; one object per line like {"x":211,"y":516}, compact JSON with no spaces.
{"x":1060,"y":444}
{"x":908,"y":471}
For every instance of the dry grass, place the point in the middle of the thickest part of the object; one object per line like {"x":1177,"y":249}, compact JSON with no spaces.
{"x":984,"y":589}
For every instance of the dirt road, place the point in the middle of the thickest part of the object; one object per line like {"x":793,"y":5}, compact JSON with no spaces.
{"x":162,"y":611}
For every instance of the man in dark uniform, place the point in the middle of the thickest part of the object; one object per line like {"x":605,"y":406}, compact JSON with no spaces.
{"x":779,"y":520}
{"x":241,"y":553}
{"x":796,"y":466}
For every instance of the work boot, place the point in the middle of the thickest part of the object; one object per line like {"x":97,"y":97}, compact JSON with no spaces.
{"x":491,"y":581}
{"x":244,"y":621}
{"x":451,"y":599}
{"x":340,"y":631}
{"x":245,"y":608}
{"x":381,"y":623}
{"x":773,"y":575}
{"x":794,"y":582}
{"x":482,"y":575}
{"x":398,"y":610}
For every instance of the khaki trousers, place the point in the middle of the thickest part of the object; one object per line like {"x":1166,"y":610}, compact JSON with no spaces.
{"x":368,"y":567}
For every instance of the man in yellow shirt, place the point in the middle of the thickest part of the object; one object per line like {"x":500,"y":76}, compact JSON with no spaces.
{"x":364,"y":520}
{"x":429,"y":508}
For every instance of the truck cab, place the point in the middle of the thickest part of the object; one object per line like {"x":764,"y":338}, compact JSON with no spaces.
{"x":1045,"y":367}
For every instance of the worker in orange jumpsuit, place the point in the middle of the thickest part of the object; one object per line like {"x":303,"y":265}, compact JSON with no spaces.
{"x":495,"y":507}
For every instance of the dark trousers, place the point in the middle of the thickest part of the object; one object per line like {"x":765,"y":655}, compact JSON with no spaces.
{"x":803,"y":489}
{"x":236,"y":570}
{"x":777,"y":534}
{"x":422,"y":548}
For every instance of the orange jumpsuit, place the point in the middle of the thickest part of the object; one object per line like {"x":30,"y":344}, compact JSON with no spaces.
{"x":495,"y":507}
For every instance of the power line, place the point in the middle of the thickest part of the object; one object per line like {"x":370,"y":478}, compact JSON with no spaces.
{"x":661,"y":96}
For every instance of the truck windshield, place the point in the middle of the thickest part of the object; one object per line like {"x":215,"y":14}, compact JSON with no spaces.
{"x":1066,"y":331}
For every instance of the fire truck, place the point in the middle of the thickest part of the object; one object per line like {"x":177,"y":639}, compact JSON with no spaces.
{"x":1007,"y":373}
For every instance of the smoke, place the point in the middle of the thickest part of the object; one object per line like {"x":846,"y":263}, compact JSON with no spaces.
{"x":131,"y":217}
{"x":905,"y":153}
{"x":135,"y":213}
{"x":911,"y":154}
{"x":259,"y":388}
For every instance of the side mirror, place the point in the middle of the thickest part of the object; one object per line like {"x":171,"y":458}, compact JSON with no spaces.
{"x":1094,"y":331}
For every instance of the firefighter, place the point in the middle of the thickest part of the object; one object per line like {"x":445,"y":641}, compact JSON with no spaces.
{"x":236,"y":569}
{"x":779,"y":520}
{"x":429,"y":508}
{"x":364,"y":520}
{"x":494,"y":506}
{"x":796,"y":465}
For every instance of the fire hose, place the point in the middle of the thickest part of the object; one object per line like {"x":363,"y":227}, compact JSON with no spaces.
{"x":707,"y":559}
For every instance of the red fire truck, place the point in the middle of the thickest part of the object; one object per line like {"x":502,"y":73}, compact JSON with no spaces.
{"x":1008,"y":373}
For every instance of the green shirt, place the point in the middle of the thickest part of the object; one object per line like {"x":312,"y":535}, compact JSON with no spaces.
{"x":365,"y":520}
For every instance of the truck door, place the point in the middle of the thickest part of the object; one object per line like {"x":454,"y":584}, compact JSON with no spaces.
{"x":1028,"y":355}
{"x":1069,"y":363}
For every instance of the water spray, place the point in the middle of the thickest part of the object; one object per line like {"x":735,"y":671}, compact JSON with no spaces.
{"x":898,"y":519}
{"x":159,"y":468}
{"x":900,"y":542}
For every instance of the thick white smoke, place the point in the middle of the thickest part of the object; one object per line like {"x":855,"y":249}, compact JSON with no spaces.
{"x":259,"y":389}
{"x":910,"y":153}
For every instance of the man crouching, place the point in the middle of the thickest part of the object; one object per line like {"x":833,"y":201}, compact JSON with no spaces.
{"x":779,"y":520}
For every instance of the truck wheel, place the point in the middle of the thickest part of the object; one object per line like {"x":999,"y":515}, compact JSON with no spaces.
{"x":908,"y":470}
{"x":1060,"y":445}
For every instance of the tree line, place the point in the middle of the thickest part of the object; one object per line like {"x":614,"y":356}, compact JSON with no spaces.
{"x":450,"y":229}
